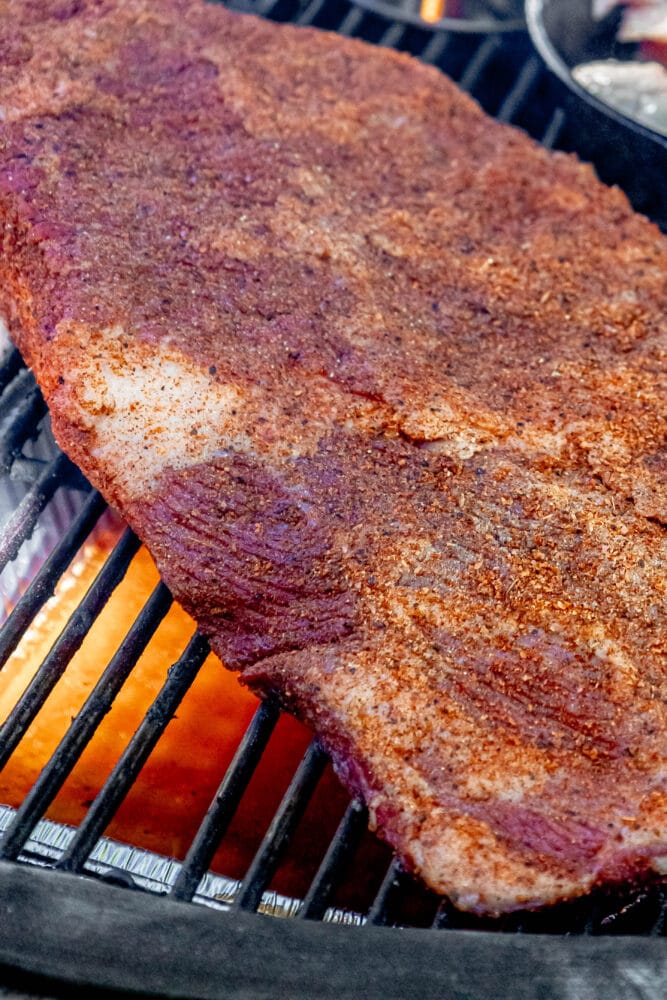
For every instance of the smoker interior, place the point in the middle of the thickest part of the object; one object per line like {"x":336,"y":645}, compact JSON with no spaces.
{"x":69,"y":919}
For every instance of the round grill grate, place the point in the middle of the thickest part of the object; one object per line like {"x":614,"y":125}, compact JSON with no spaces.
{"x":63,"y":934}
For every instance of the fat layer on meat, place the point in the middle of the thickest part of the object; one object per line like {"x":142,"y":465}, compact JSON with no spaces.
{"x":381,"y":384}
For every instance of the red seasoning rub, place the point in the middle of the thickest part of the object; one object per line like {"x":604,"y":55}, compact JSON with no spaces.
{"x":381,"y":384}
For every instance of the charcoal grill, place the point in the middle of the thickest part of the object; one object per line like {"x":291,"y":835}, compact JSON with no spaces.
{"x":83,"y":915}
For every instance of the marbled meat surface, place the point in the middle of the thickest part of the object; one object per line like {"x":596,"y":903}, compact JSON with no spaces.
{"x":381,"y":384}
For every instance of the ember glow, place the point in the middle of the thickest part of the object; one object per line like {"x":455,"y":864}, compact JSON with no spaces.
{"x":170,"y":798}
{"x":432,"y":10}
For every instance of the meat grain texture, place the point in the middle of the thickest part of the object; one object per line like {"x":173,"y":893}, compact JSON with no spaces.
{"x":381,"y":384}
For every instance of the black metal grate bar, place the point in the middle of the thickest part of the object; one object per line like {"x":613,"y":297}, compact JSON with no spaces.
{"x":554,"y":129}
{"x":377,"y":915}
{"x":64,"y":758}
{"x":446,"y":916}
{"x":10,"y":368}
{"x":22,"y":522}
{"x":330,"y":873}
{"x":25,"y":421}
{"x":263,"y":8}
{"x":66,"y":645}
{"x":285,"y":821}
{"x":479,"y":62}
{"x":435,"y":48}
{"x":309,"y":13}
{"x":350,"y":23}
{"x":23,"y":385}
{"x":155,"y":721}
{"x":392,"y":36}
{"x":44,"y":583}
{"x":223,"y":807}
{"x":658,"y":926}
{"x":521,"y":91}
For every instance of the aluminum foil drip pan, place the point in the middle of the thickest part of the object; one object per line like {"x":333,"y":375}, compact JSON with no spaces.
{"x":123,"y":864}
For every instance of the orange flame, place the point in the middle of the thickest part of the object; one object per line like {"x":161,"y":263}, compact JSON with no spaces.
{"x":432,"y":10}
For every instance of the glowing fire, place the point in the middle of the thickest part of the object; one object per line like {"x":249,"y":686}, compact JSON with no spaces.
{"x":432,"y":10}
{"x":170,"y":798}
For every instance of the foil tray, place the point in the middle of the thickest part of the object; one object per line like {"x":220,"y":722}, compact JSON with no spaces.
{"x":153,"y":872}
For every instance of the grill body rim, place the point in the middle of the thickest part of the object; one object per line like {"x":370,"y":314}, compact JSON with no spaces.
{"x":156,"y":947}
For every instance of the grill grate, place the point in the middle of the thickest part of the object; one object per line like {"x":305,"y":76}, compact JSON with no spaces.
{"x":502,"y":72}
{"x":226,"y":801}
